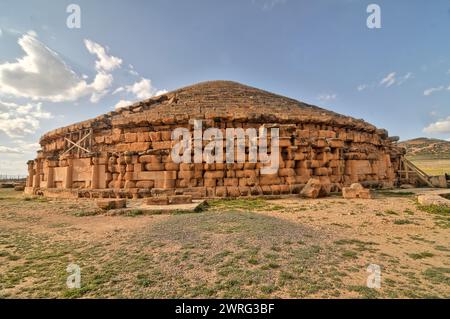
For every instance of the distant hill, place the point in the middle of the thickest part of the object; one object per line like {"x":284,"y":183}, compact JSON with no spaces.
{"x":426,"y":148}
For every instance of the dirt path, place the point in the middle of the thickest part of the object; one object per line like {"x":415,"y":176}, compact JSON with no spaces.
{"x":287,"y":248}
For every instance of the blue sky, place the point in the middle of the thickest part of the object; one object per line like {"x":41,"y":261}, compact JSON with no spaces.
{"x":320,"y":52}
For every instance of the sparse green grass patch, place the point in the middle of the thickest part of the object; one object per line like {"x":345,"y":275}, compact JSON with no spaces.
{"x":402,"y":222}
{"x":421,"y":255}
{"x":242,"y":251}
{"x":438,"y":275}
{"x":388,"y":193}
{"x":441,"y":213}
{"x":390,"y":212}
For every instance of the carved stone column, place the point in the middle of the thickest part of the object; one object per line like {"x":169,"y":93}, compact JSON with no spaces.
{"x":122,"y":170}
{"x":129,"y":171}
{"x":37,"y":174}
{"x":30,"y":173}
{"x":50,"y":172}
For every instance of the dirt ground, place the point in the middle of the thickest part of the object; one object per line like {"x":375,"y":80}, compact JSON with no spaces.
{"x":284,"y":248}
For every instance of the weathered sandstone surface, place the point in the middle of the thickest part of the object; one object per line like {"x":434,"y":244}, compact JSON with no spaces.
{"x":127,"y":153}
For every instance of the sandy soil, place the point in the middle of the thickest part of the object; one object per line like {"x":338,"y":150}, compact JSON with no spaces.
{"x":285,"y":248}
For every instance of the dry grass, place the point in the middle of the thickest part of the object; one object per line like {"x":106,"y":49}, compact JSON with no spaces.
{"x":289,"y":248}
{"x":433,"y":166}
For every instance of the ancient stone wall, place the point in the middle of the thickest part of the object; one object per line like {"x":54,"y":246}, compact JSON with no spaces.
{"x":127,"y":153}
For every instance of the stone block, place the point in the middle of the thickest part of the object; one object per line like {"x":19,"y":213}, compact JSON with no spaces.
{"x":158,"y":200}
{"x":214,"y":174}
{"x":155,"y":136}
{"x":145,"y":184}
{"x":154,"y":167}
{"x":138,"y":147}
{"x":433,"y":199}
{"x":180,"y":199}
{"x":356,"y":190}
{"x":230,"y":181}
{"x":315,"y":188}
{"x":107,"y":204}
{"x":150,"y":159}
{"x":289,"y":172}
{"x":171,"y":166}
{"x":166,"y":135}
{"x":164,"y":145}
{"x":221,"y":191}
{"x":130,"y":137}
{"x":233,"y":191}
{"x":269,"y":179}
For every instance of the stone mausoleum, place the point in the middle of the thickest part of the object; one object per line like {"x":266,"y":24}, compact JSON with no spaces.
{"x":127,"y":153}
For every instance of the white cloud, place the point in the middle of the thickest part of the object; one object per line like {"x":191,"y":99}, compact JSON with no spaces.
{"x":100,"y":86}
{"x":388,"y":80}
{"x":105,"y":62}
{"x":20,"y":147}
{"x":392,"y":79}
{"x":327,"y":97}
{"x":404,"y":78}
{"x":143,"y":89}
{"x":9,"y":150}
{"x":18,"y":120}
{"x":430,"y":91}
{"x":27,"y":147}
{"x":132,"y":71}
{"x":362,"y":87}
{"x":118,"y":90}
{"x":32,"y":33}
{"x":122,"y":103}
{"x":440,"y":126}
{"x":1,"y":32}
{"x":41,"y":75}
{"x":269,"y":4}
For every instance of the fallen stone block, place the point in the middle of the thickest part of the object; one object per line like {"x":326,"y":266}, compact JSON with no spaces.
{"x":19,"y":188}
{"x":356,"y":190}
{"x":439,"y":181}
{"x":158,"y":200}
{"x":107,"y":204}
{"x":314,"y":188}
{"x":180,"y":199}
{"x":433,"y":200}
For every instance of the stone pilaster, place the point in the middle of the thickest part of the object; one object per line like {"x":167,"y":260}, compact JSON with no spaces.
{"x":37,"y":174}
{"x":30,"y":173}
{"x":68,"y":175}
{"x":95,"y":173}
